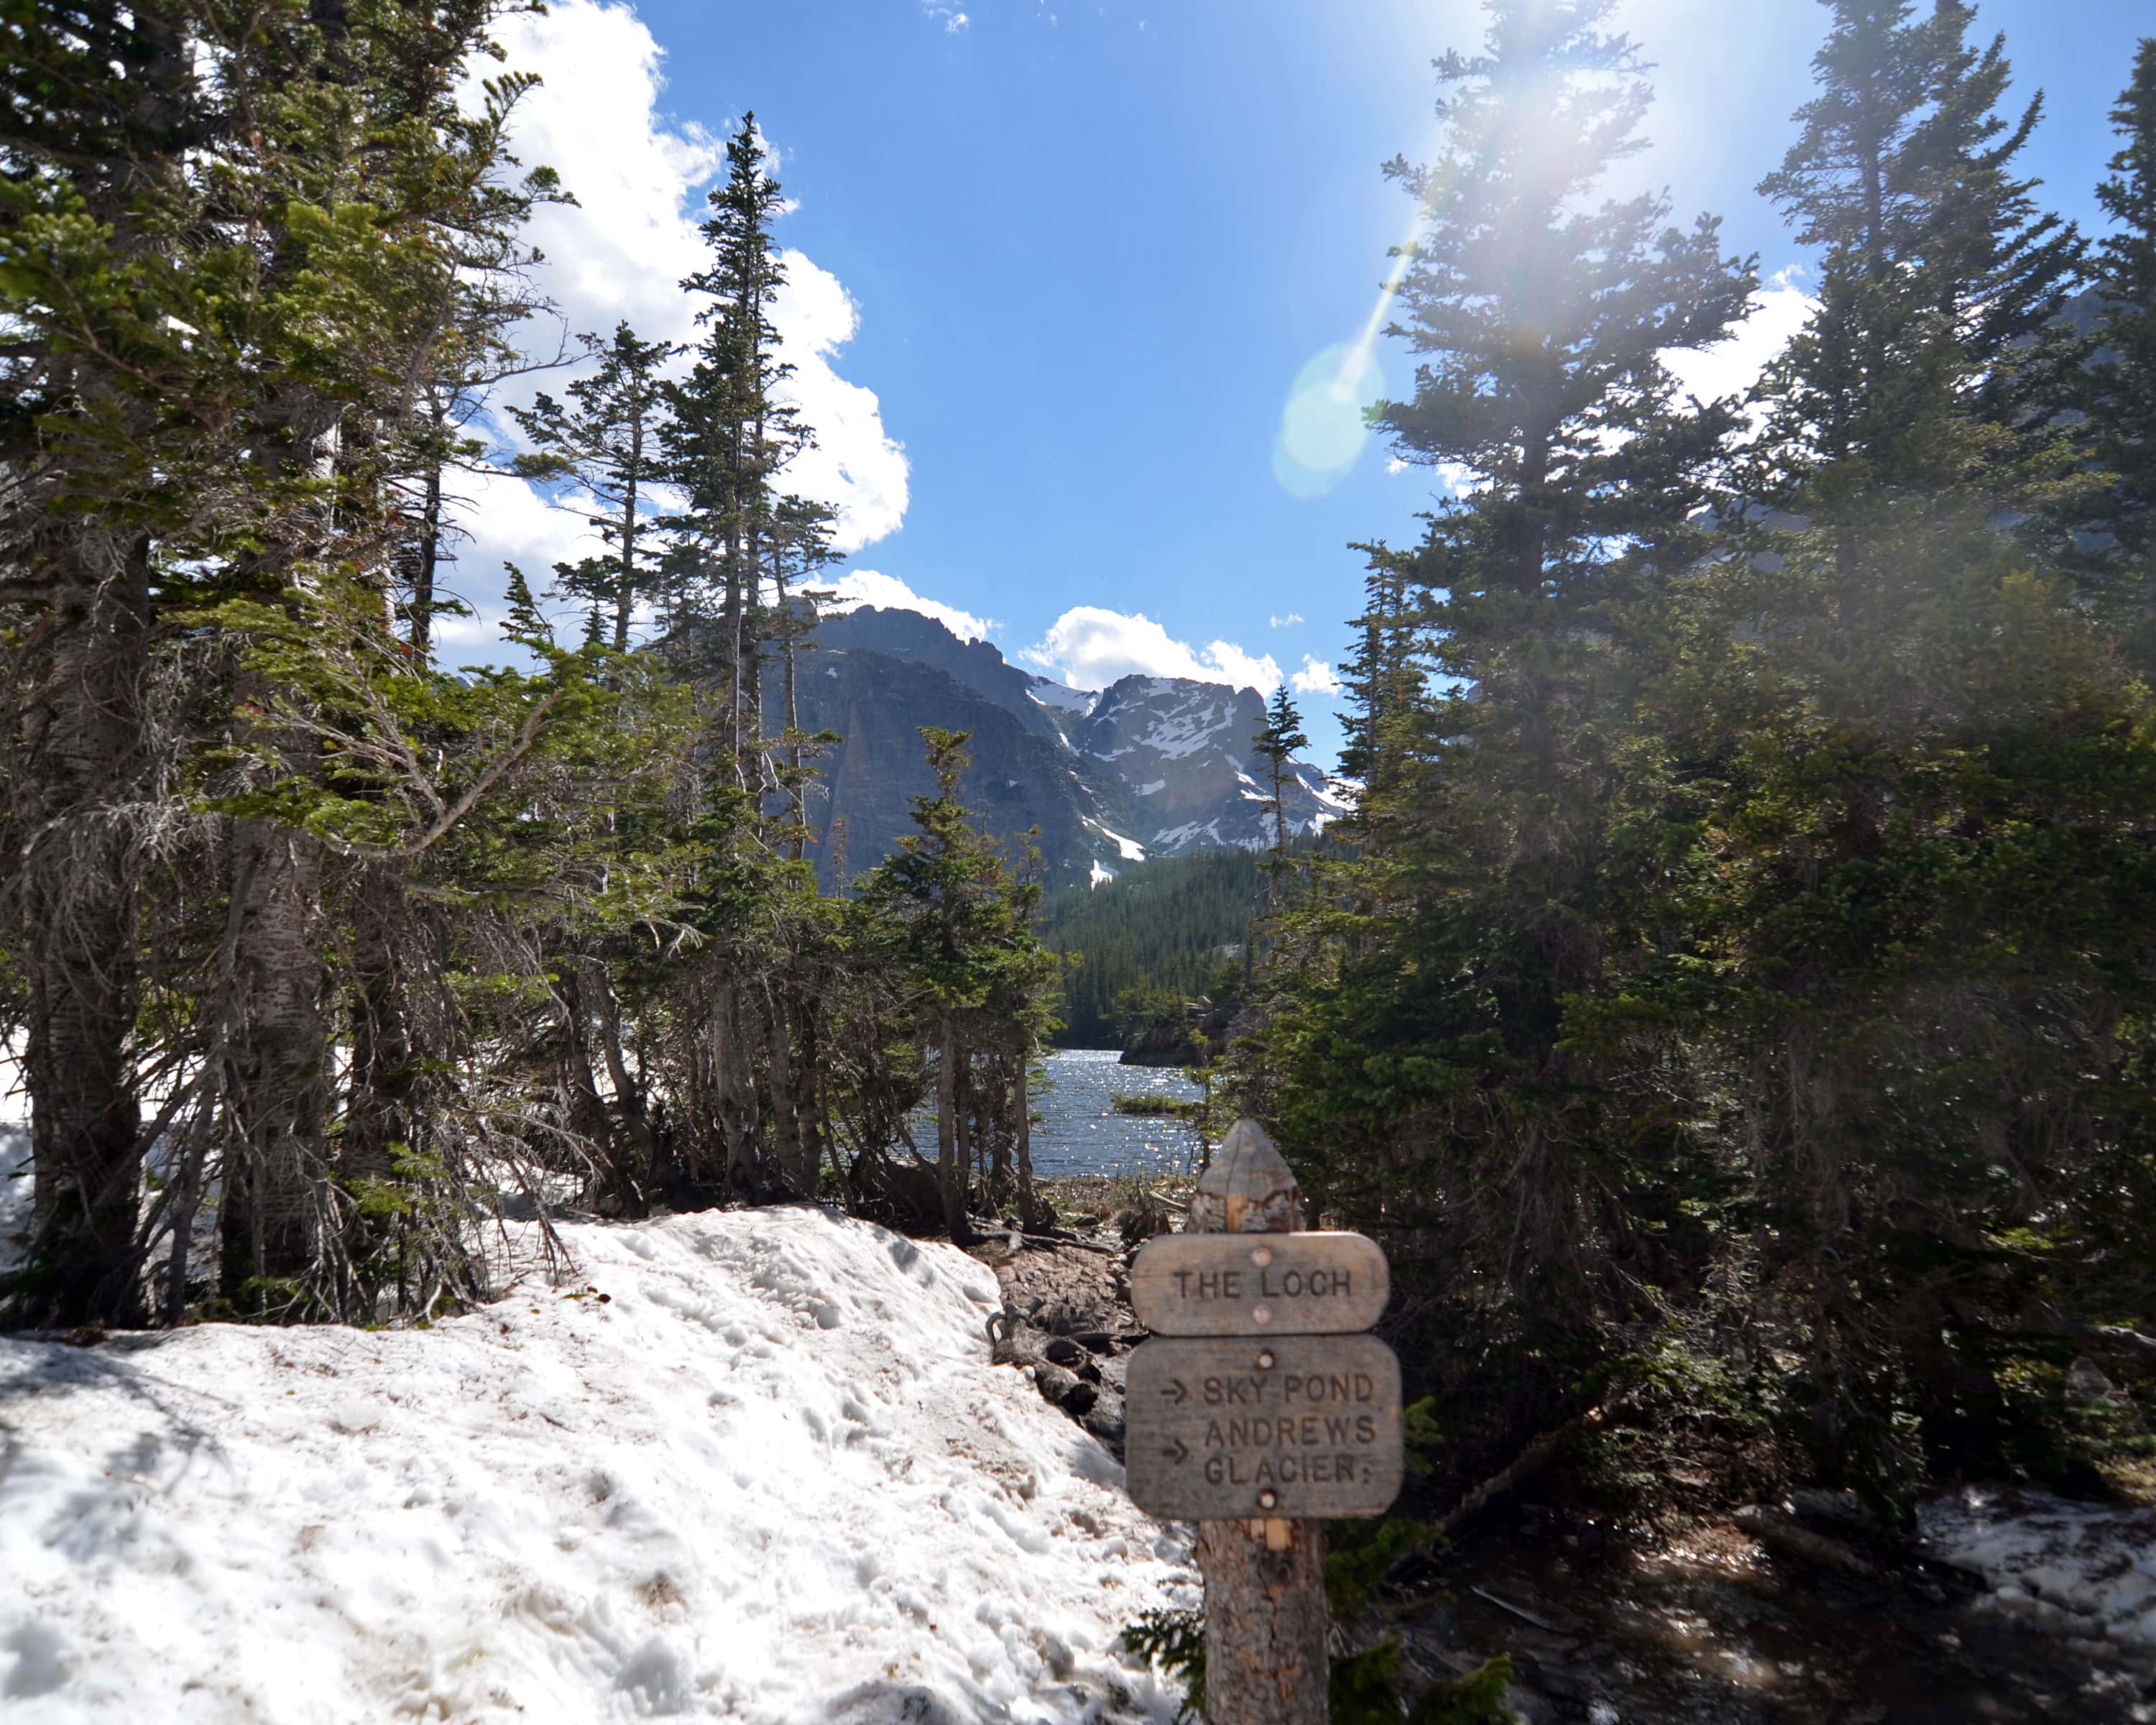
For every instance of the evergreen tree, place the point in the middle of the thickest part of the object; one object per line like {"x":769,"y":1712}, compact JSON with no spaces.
{"x":1506,"y":857}
{"x":2121,"y":395}
{"x":1276,"y":742}
{"x":608,"y":438}
{"x":1929,"y":786}
{"x":221,"y":317}
{"x":729,"y":437}
{"x":1940,"y":279}
{"x":960,"y":925}
{"x":1540,"y":319}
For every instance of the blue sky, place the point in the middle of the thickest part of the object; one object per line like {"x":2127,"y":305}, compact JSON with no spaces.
{"x":1072,"y":257}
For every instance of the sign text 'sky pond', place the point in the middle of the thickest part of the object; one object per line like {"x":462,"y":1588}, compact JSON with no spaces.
{"x":1258,"y":1284}
{"x":1286,"y":1425}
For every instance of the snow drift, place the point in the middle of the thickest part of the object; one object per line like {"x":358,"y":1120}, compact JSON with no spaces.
{"x":753,"y":1465}
{"x":2085,"y":1569}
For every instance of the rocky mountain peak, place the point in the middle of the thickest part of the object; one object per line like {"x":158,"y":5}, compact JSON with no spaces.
{"x":1149,"y":765}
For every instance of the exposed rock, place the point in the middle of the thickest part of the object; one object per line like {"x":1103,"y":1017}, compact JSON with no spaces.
{"x":1142,"y":1221}
{"x":899,"y":1191}
{"x":1151,"y":766}
{"x":1106,"y":1423}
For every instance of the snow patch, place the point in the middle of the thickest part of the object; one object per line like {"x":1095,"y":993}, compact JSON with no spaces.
{"x":1153,"y":790}
{"x":2082,"y":1568}
{"x":1131,"y":851}
{"x":1099,"y":877}
{"x":1062,"y":700}
{"x":772,"y":1476}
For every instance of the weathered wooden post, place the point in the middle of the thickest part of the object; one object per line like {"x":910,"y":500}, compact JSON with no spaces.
{"x":1269,"y":1415}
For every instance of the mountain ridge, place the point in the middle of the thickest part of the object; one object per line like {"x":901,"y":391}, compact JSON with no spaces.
{"x":1149,"y":766}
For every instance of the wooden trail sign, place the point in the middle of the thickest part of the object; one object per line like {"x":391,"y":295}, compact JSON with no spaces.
{"x":1268,"y":1284}
{"x":1259,"y":1412}
{"x":1288,"y":1425}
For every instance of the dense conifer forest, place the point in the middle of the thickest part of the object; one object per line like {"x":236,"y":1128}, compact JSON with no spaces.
{"x":1731,"y":1001}
{"x":1147,"y":941}
{"x":1731,"y":997}
{"x":312,"y":937}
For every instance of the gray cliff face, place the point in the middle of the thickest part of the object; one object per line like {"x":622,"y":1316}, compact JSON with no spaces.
{"x":1152,"y":765}
{"x":878,"y":704}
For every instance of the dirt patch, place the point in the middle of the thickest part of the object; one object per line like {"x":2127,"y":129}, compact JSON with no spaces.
{"x":1714,"y":1628}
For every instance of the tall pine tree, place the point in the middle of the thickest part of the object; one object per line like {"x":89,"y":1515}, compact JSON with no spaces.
{"x":1512,"y":833}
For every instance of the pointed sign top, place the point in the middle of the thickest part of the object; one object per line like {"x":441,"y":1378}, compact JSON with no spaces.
{"x":1248,"y":1188}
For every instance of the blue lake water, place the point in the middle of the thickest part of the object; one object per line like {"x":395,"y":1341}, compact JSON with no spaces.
{"x":1080,"y":1132}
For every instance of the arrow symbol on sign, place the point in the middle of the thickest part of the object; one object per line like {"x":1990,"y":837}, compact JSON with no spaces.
{"x":1180,"y":1453}
{"x":1174,"y":1391}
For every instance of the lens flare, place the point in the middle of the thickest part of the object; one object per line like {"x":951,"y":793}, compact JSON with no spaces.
{"x":1321,"y":428}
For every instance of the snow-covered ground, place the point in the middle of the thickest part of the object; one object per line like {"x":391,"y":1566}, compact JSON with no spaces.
{"x":2083,"y":1569}
{"x":751,"y":1465}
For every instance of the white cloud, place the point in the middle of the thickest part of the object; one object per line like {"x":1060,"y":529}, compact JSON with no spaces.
{"x":1315,"y":678}
{"x":1732,"y":366}
{"x":509,"y":522}
{"x":855,"y":466}
{"x":887,"y":592}
{"x":959,"y":20}
{"x":1396,"y":465}
{"x":1090,"y":647}
{"x":638,"y":174}
{"x":1288,"y":621}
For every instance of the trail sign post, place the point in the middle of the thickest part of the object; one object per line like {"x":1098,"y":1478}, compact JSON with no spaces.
{"x":1220,"y":1285}
{"x":1256,"y":1408}
{"x":1290,"y":1425}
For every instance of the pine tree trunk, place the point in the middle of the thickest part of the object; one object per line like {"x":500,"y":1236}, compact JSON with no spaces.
{"x":625,"y":599}
{"x":377,"y":1113}
{"x":950,"y":1169}
{"x":1029,"y":1214}
{"x":736,"y":1096}
{"x":78,"y":744}
{"x":427,"y":559}
{"x":277,"y":1198}
{"x":588,"y":1113}
{"x":275,"y":1193}
{"x":807,"y":1092}
{"x":627,"y":1095}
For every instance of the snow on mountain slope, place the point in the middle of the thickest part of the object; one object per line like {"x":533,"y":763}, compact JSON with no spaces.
{"x":1185,"y":748}
{"x":751,"y":1465}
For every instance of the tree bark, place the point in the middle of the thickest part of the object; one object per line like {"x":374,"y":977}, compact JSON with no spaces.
{"x":276,"y":1178}
{"x":625,"y":599}
{"x":950,"y":1170}
{"x":798,"y":1175}
{"x":80,"y":743}
{"x":277,"y":1202}
{"x":587,"y":1114}
{"x":627,"y":1095}
{"x":736,"y":1096}
{"x":1029,"y":1214}
{"x":377,"y":1112}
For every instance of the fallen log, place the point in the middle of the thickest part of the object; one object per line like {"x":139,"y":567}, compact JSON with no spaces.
{"x":1779,"y":1531}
